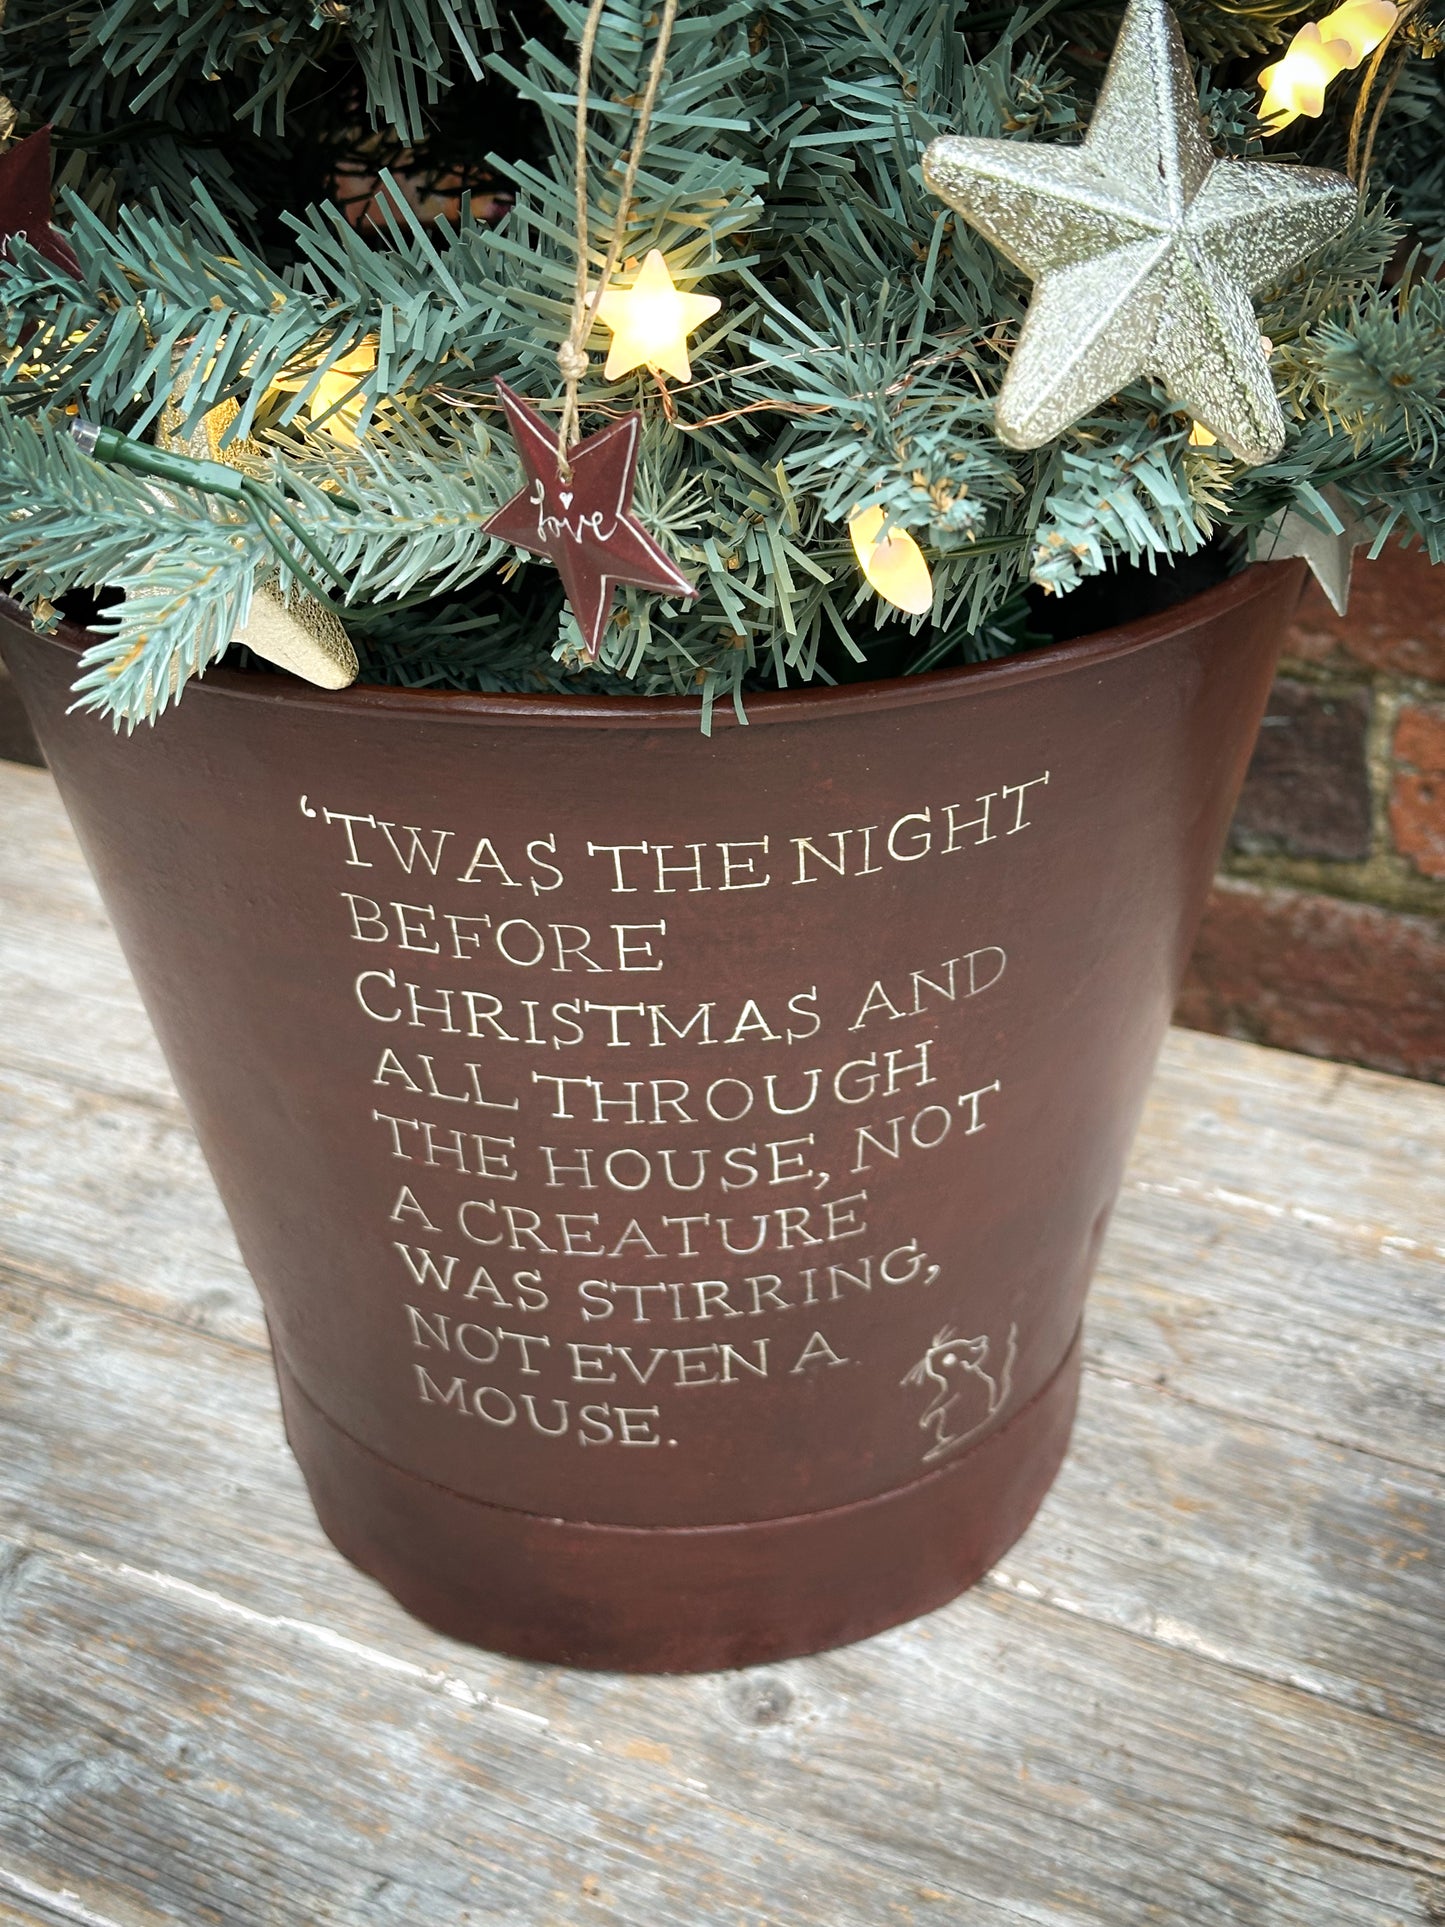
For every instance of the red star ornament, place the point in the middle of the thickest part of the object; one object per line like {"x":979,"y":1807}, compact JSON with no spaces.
{"x":25,"y":202}
{"x":584,"y":526}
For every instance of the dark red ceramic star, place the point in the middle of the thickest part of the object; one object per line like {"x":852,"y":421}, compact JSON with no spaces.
{"x":25,"y":202}
{"x":584,"y":525}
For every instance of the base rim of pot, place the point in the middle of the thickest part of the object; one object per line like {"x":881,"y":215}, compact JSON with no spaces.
{"x":704,"y":1598}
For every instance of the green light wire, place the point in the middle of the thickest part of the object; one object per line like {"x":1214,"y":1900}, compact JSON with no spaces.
{"x":260,"y":503}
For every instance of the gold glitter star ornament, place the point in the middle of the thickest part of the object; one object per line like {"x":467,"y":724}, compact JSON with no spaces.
{"x":1144,"y":250}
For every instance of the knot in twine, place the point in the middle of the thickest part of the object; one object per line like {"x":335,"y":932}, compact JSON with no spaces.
{"x":572,"y":355}
{"x":572,"y":361}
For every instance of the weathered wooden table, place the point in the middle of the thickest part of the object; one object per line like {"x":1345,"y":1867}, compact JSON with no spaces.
{"x":1207,"y":1687}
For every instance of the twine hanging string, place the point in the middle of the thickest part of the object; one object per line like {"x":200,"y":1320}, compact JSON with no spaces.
{"x":572,"y":355}
{"x":1362,"y":134}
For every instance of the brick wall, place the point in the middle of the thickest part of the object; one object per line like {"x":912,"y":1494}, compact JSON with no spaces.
{"x":1326,"y":931}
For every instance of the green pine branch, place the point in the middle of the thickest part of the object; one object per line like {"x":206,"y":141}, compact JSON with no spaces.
{"x":145,"y":57}
{"x":864,"y":335}
{"x":185,"y":567}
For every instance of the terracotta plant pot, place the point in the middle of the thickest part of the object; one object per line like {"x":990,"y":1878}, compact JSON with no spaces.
{"x":673,"y":1168}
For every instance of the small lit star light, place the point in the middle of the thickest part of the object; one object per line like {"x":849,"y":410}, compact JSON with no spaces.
{"x":1296,"y":84}
{"x":651,"y":321}
{"x":1364,"y":23}
{"x":894,"y":564}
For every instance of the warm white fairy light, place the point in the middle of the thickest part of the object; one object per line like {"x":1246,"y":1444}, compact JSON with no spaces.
{"x":1295,"y":85}
{"x":1364,"y":23}
{"x":334,"y":402}
{"x":651,"y":321}
{"x":894,"y":564}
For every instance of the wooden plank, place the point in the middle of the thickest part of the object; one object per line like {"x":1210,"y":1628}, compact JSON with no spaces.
{"x":109,"y":1198}
{"x":67,"y":1004}
{"x":1284,"y":1221}
{"x":27,"y":1903}
{"x":1271,"y":1553}
{"x":212,"y":1765}
{"x":1357,"y":1147}
{"x":1275,"y":1323}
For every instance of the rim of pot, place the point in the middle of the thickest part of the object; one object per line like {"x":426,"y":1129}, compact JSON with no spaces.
{"x":805,"y":702}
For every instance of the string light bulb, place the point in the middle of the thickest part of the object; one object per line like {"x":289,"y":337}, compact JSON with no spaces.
{"x":1364,"y":23}
{"x":336,"y":391}
{"x":1295,"y":85}
{"x":893,"y":564}
{"x":651,"y":321}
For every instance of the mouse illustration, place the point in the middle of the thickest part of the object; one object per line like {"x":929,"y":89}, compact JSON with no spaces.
{"x":969,"y":1387}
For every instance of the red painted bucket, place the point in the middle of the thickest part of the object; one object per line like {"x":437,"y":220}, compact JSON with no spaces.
{"x":673,"y":1167}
